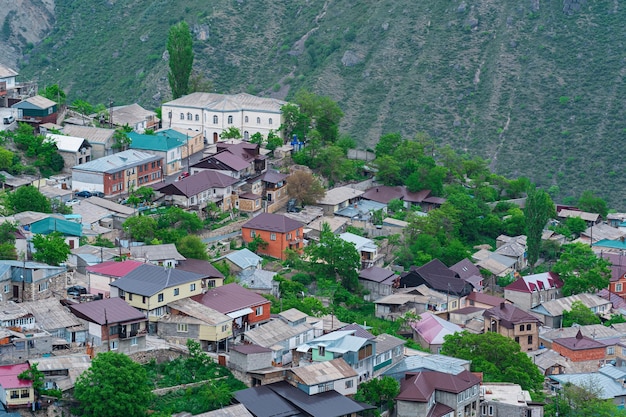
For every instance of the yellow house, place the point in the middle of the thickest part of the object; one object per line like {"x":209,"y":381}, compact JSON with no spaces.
{"x":15,"y":392}
{"x":189,"y":319}
{"x":151,"y":288}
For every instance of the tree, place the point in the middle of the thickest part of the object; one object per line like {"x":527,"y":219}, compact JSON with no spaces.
{"x":378,"y":391}
{"x":121,"y":141}
{"x":180,"y":49}
{"x":294,"y":122}
{"x":323,"y":112}
{"x":335,"y":258}
{"x":388,"y":170}
{"x":51,"y":249}
{"x":498,"y":357}
{"x":140,"y":228}
{"x":231,"y":133}
{"x":257,"y":138}
{"x":35,"y":375}
{"x":539,"y":209}
{"x":576,"y":225}
{"x":113,"y":386}
{"x":582,"y":400}
{"x":27,"y":198}
{"x":579,"y":314}
{"x":191,"y":246}
{"x":304,"y":187}
{"x":273,"y":141}
{"x":590,"y":203}
{"x":53,"y":92}
{"x":6,"y":159}
{"x":581,"y":270}
{"x":256,"y":243}
{"x":387,"y":144}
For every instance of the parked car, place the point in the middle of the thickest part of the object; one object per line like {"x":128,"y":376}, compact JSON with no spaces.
{"x":183,"y":175}
{"x":76,"y":291}
{"x":72,"y":202}
{"x":97,"y":194}
{"x":84,"y":194}
{"x":8,"y":120}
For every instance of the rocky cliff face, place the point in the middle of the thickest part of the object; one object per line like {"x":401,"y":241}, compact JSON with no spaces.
{"x":25,"y":23}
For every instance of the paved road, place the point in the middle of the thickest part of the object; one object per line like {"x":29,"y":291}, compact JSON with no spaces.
{"x":222,"y":237}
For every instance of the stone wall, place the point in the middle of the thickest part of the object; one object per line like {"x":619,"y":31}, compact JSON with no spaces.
{"x":159,"y":355}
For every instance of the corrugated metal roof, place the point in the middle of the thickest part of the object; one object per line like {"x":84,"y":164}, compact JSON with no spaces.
{"x":149,"y":279}
{"x":272,"y":223}
{"x":237,"y":410}
{"x":50,"y":315}
{"x":130,"y":114}
{"x":435,"y":362}
{"x":338,"y":195}
{"x":244,"y":258}
{"x":200,"y":311}
{"x":229,"y":298}
{"x":52,"y":224}
{"x":162,"y":252}
{"x":92,"y":134}
{"x":67,"y":143}
{"x":607,"y":387}
{"x":37,"y":101}
{"x":117,"y":162}
{"x":108,"y":310}
{"x":386,"y":342}
{"x":556,"y":307}
{"x":322,"y":372}
{"x":227,"y":102}
{"x":163,"y":140}
{"x":114,"y":269}
{"x":433,"y":329}
{"x":6,"y":72}
{"x":274,"y":332}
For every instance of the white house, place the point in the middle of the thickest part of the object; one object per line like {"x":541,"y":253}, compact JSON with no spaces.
{"x":212,"y":113}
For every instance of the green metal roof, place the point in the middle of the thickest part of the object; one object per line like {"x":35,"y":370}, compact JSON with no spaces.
{"x":615,"y":244}
{"x":163,"y":140}
{"x":51,"y":224}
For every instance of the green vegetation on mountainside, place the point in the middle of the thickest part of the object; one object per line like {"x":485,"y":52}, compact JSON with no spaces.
{"x":536,"y":87}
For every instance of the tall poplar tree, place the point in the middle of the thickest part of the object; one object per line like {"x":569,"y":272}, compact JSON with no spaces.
{"x":539,"y":209}
{"x":180,"y":49}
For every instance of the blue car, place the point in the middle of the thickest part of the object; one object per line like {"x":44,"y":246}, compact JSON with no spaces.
{"x":84,"y":194}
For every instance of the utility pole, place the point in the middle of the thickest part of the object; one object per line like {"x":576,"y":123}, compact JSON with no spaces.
{"x":111,"y":113}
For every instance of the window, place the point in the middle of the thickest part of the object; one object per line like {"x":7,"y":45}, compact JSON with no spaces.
{"x":516,"y":339}
{"x":24,"y":393}
{"x":114,"y":345}
{"x":176,"y":291}
{"x":192,"y":287}
{"x":270,"y":121}
{"x":211,"y":283}
{"x":6,"y":288}
{"x":618,"y":287}
{"x":225,"y":328}
{"x":133,"y":341}
{"x":182,"y":327}
{"x":298,"y":232}
{"x":530,"y":340}
{"x":113,"y":330}
{"x":130,"y":297}
{"x":321,"y":350}
{"x":529,"y":327}
{"x":258,"y":120}
{"x":349,"y":383}
{"x":325,"y":387}
{"x":144,"y":299}
{"x":491,"y":410}
{"x":215,"y":121}
{"x":272,"y":236}
{"x":245,"y":119}
{"x":610,"y":350}
{"x":182,"y":116}
{"x":15,"y":394}
{"x":160,"y":298}
{"x":43,"y":286}
{"x":454,"y":304}
{"x":230,"y":120}
{"x":259,"y":310}
{"x":521,"y":327}
{"x":189,"y":116}
{"x":197,"y":118}
{"x":252,"y":233}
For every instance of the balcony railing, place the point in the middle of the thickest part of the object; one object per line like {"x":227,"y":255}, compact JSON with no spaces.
{"x":133,"y":333}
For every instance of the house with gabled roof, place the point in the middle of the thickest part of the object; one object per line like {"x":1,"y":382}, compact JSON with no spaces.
{"x":74,"y":150}
{"x":531,"y":290}
{"x":583,"y":350}
{"x":617,"y":283}
{"x":513,"y":323}
{"x":497,"y":264}
{"x":590,"y":218}
{"x":239,"y":160}
{"x":212,"y":277}
{"x":378,"y":281}
{"x":61,"y":372}
{"x":56,"y":319}
{"x":170,"y":145}
{"x":551,"y":312}
{"x":608,"y":377}
{"x":134,"y":116}
{"x":337,"y":198}
{"x":432,"y":393}
{"x":367,"y":249}
{"x":468,"y":272}
{"x":7,"y":84}
{"x":430,"y":330}
{"x":164,"y":254}
{"x":393,"y":306}
{"x":514,"y":248}
{"x":71,"y":231}
{"x":37,"y":108}
{"x":282,"y":335}
{"x":323,"y":376}
{"x":31,"y":281}
{"x":427,"y":362}
{"x":100,"y":139}
{"x":118,"y":173}
{"x":100,"y":276}
{"x":151,"y":288}
{"x":274,"y":189}
{"x":485,"y":301}
{"x":277,"y":231}
{"x":200,"y":189}
{"x":188,"y":319}
{"x":113,"y":325}
{"x":15,"y":392}
{"x":246,"y":308}
{"x":389,"y":352}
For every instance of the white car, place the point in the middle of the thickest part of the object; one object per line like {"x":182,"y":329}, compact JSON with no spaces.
{"x":72,"y":202}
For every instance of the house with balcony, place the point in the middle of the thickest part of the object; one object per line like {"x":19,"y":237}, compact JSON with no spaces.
{"x":188,"y":319}
{"x":135,"y":117}
{"x":113,"y":325}
{"x":246,"y":308}
{"x":74,"y":150}
{"x":433,"y":393}
{"x":239,"y":160}
{"x":150,"y":288}
{"x":100,"y":139}
{"x":118,"y":173}
{"x":282,"y":335}
{"x":530,"y":291}
{"x":513,"y":323}
{"x":212,"y":114}
{"x":359,"y":352}
{"x":274,"y":189}
{"x":37,"y":109}
{"x":15,"y":392}
{"x":367,"y":249}
{"x":277,"y":231}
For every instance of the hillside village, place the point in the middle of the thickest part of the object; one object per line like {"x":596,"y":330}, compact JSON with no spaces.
{"x":304,"y":298}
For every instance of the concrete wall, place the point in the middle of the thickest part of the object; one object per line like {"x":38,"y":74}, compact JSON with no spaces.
{"x":251,"y":362}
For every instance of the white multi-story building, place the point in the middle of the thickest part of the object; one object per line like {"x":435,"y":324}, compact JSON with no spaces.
{"x":212,"y":114}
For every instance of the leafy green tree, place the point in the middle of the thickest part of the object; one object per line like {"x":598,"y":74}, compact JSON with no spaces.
{"x":180,"y":49}
{"x":257,"y":138}
{"x":191,"y":246}
{"x":388,"y":170}
{"x":582,"y":400}
{"x":518,"y":187}
{"x":55,"y":93}
{"x":121,"y":141}
{"x":145,"y":194}
{"x":140,"y":228}
{"x":378,"y":392}
{"x":256,"y":243}
{"x":50,"y":249}
{"x":576,"y":225}
{"x":515,"y":222}
{"x":324,"y":113}
{"x":539,"y":209}
{"x":27,"y":198}
{"x":273,"y":141}
{"x":304,"y":187}
{"x":498,"y":357}
{"x":294,"y":122}
{"x":6,"y":159}
{"x":387,"y":144}
{"x":579,"y":314}
{"x":82,"y":107}
{"x":7,"y":240}
{"x":231,"y":133}
{"x":395,"y":205}
{"x":334,"y":257}
{"x":590,"y":203}
{"x":103,"y":242}
{"x":35,"y":375}
{"x":113,"y":386}
{"x":615,"y":319}
{"x":581,"y":270}
{"x":470,"y":212}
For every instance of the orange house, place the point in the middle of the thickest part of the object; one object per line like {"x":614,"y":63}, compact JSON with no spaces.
{"x":277,"y":231}
{"x":580,"y":348}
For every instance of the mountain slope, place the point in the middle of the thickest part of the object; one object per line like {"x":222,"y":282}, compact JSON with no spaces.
{"x":536,"y":87}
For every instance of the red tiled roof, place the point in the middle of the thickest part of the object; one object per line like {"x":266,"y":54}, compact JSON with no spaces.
{"x":8,"y":376}
{"x":114,"y":269}
{"x":229,"y":298}
{"x":271,"y":222}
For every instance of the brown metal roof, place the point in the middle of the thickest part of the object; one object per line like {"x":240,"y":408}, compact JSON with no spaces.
{"x":419,"y":387}
{"x":510,"y":315}
{"x":199,"y":266}
{"x":271,"y":222}
{"x":108,"y":310}
{"x":376,"y":274}
{"x":579,"y":342}
{"x":229,"y":298}
{"x":196,"y":183}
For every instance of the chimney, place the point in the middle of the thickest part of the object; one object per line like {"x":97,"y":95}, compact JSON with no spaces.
{"x":502,"y":305}
{"x":376,"y":189}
